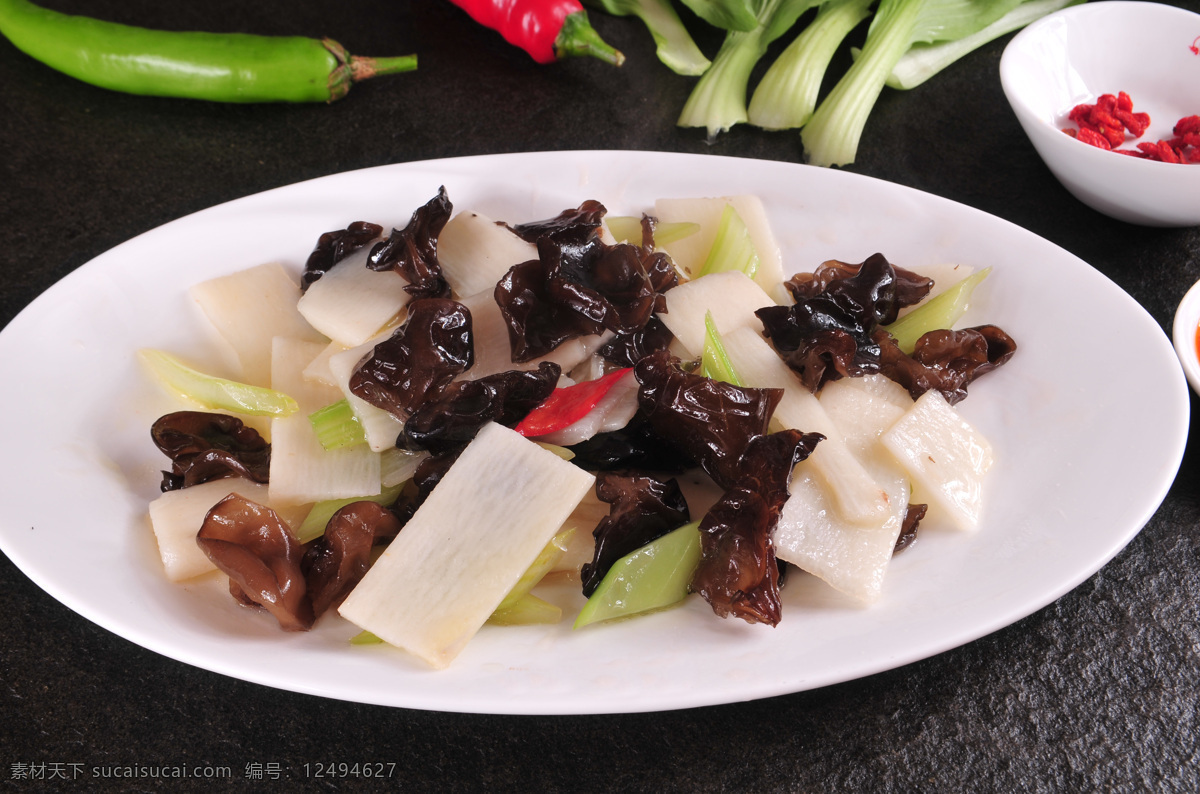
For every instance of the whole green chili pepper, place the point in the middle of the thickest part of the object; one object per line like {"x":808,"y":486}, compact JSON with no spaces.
{"x":221,"y":67}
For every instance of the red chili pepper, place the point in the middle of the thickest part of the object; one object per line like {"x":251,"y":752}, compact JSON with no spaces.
{"x":566,"y":406}
{"x":546,"y":29}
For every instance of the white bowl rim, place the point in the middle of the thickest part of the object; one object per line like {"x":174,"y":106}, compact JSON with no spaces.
{"x":1184,"y":335}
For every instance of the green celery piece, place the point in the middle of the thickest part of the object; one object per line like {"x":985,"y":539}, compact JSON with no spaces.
{"x":537,"y":570}
{"x":526,"y":610}
{"x":665,"y":233}
{"x":313,"y":525}
{"x":725,"y":14}
{"x":787,"y":94}
{"x":715,"y":363}
{"x":925,"y":60}
{"x":941,"y":311}
{"x":216,"y":393}
{"x":365,"y":638}
{"x":732,"y":248}
{"x":628,"y":229}
{"x":655,"y":576}
{"x":832,"y":135}
{"x":718,"y":101}
{"x":562,"y":452}
{"x":675,"y":46}
{"x":337,"y":426}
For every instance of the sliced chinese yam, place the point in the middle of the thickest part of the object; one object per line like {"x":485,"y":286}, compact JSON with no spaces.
{"x":351,"y":302}
{"x":249,"y":309}
{"x":475,"y":252}
{"x":946,"y":457}
{"x":691,"y":251}
{"x":467,"y":545}
{"x":176,"y":517}
{"x":318,"y":369}
{"x":493,"y":350}
{"x":302,"y":471}
{"x":862,"y":410}
{"x":851,"y":558}
{"x":289,"y":358}
{"x":731,"y":297}
{"x":380,"y":427}
{"x":853,"y":492}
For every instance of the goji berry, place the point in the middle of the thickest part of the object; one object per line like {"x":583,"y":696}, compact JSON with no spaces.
{"x":1090,"y":136}
{"x":1106,"y":123}
{"x":1187,"y":124}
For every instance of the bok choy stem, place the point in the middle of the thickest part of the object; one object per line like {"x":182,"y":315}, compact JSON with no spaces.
{"x":787,"y":95}
{"x":675,"y":46}
{"x":718,"y":100}
{"x":831,"y":137}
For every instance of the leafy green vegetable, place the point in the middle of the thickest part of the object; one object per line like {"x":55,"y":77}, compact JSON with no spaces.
{"x":925,"y":60}
{"x":675,"y":46}
{"x":725,"y":14}
{"x":831,"y":137}
{"x":216,"y":393}
{"x":787,"y":94}
{"x":719,"y":99}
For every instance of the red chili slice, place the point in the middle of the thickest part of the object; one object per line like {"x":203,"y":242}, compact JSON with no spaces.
{"x":566,"y":406}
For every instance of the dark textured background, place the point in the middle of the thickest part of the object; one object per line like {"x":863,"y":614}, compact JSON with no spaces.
{"x":1096,"y":692}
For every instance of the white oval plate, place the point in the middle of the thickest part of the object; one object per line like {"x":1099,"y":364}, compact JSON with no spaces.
{"x":1084,"y":457}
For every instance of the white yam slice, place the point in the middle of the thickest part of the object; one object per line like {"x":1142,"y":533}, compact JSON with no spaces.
{"x":475,"y":252}
{"x":380,"y":427}
{"x":176,"y":517}
{"x":481,"y":527}
{"x":351,"y":302}
{"x":851,"y":558}
{"x":854,"y":493}
{"x":249,"y":309}
{"x":289,"y":358}
{"x":945,"y":456}
{"x":302,"y":471}
{"x":731,"y":297}
{"x":493,"y":351}
{"x":318,"y":369}
{"x":861,"y":411}
{"x":690,"y":252}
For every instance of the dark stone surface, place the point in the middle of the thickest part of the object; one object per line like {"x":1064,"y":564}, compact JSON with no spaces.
{"x":1096,"y":692}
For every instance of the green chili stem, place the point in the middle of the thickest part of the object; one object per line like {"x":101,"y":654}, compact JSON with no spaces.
{"x":578,"y":37}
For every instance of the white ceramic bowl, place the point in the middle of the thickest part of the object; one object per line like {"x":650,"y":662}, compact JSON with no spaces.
{"x":1183,"y":332}
{"x":1147,"y":50}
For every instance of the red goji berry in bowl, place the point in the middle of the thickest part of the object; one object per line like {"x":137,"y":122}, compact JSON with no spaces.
{"x":1149,"y":52}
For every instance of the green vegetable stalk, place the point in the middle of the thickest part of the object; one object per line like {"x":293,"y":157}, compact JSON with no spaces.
{"x":787,"y":95}
{"x":220,"y":67}
{"x":831,"y":137}
{"x":719,"y":100}
{"x":675,"y":46}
